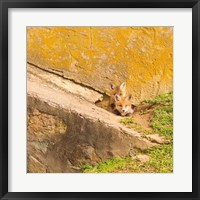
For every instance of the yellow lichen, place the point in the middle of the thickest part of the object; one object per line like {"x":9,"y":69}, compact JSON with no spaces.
{"x":96,"y":56}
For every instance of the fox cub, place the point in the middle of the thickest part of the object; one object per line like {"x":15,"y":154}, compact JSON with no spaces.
{"x":119,"y":90}
{"x":123,"y":105}
{"x":119,"y":102}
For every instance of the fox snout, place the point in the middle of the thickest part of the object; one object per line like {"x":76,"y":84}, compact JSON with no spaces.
{"x":124,"y":110}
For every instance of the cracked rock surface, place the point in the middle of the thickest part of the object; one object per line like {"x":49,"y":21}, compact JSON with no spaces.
{"x":66,"y":129}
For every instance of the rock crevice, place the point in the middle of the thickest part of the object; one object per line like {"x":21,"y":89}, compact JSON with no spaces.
{"x":66,"y":129}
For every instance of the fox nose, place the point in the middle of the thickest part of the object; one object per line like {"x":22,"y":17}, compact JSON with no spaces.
{"x":123,"y":110}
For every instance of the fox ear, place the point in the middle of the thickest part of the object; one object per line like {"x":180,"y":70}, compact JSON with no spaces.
{"x":117,"y":97}
{"x":123,"y":86}
{"x":112,"y":86}
{"x":129,"y":97}
{"x":133,"y":106}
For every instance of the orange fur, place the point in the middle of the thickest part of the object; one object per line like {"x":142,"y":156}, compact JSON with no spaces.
{"x":119,"y":90}
{"x":123,"y":105}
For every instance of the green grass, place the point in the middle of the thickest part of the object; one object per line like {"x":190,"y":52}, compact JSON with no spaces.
{"x":131,"y":123}
{"x":128,"y":121}
{"x":162,"y":120}
{"x":107,"y":166}
{"x":160,"y":162}
{"x":163,"y":99}
{"x":161,"y":156}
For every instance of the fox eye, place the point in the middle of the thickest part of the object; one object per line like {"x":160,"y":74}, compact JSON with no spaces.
{"x":120,"y":106}
{"x":120,"y":94}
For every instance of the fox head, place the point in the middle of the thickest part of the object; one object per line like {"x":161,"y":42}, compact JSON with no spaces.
{"x":123,"y":105}
{"x":118,"y":90}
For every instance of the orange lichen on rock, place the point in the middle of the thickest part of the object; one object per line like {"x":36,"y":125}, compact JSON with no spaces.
{"x":96,"y":56}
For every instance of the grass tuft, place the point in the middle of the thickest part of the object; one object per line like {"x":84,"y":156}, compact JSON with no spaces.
{"x":127,"y":121}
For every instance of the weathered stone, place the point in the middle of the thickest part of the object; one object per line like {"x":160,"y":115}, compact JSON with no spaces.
{"x":142,"y":158}
{"x":34,"y":166}
{"x":157,"y":139}
{"x":45,"y":125}
{"x":133,"y":152}
{"x":65,"y":130}
{"x":52,"y":80}
{"x":96,"y":56}
{"x":40,"y":146}
{"x":84,"y":154}
{"x":35,"y":112}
